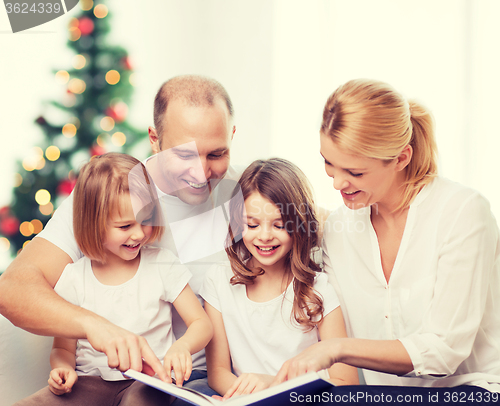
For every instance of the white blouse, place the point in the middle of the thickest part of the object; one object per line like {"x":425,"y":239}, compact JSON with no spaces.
{"x":442,"y":300}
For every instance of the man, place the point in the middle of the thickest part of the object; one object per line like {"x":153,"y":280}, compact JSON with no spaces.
{"x":193,"y":119}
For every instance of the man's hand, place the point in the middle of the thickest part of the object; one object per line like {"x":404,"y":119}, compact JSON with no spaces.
{"x":61,"y":380}
{"x":124,"y":349}
{"x":248,"y":383}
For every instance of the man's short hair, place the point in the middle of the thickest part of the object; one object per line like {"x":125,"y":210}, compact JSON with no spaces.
{"x":195,"y":90}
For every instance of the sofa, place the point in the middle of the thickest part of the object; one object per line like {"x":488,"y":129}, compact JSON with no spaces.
{"x":24,"y":362}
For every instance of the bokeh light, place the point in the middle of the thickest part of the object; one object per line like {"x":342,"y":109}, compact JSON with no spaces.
{"x":118,"y":139}
{"x":77,"y":86}
{"x":107,"y":123}
{"x":62,"y":77}
{"x":86,"y":5}
{"x":46,"y":209}
{"x":26,"y":228}
{"x":4,"y":244}
{"x":74,"y":34}
{"x":42,"y":197}
{"x":52,"y":153}
{"x":37,"y":226}
{"x":69,"y":130}
{"x":79,"y":61}
{"x":100,"y":11}
{"x":112,"y":77}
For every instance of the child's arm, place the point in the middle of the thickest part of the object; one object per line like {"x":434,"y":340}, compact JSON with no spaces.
{"x":196,"y":337}
{"x":333,"y":326}
{"x":62,"y":360}
{"x":220,"y":376}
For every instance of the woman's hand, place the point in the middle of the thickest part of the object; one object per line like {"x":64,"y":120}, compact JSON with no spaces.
{"x":312,"y":359}
{"x":248,"y":383}
{"x":61,"y":380}
{"x":178,"y":358}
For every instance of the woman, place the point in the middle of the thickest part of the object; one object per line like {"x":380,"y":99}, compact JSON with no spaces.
{"x":415,"y":258}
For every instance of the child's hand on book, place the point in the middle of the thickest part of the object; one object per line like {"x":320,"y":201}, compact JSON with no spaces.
{"x":61,"y":380}
{"x":178,"y":359}
{"x":248,"y":383}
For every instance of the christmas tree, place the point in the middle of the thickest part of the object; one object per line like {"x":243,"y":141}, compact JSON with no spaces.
{"x":92,"y":120}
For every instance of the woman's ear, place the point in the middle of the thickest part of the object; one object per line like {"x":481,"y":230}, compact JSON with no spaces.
{"x":404,"y":158}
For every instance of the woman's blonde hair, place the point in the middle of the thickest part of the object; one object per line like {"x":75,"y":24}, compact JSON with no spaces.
{"x":369,"y":118}
{"x":286,"y":186}
{"x":100,"y":185}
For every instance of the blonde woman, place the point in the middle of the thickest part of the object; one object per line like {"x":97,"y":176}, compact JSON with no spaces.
{"x":414,"y":258}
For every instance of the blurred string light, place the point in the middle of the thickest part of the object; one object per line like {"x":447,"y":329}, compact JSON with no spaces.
{"x":74,"y":33}
{"x":102,"y":139}
{"x":112,"y":77}
{"x":118,"y":139}
{"x":34,"y":160}
{"x":46,"y":209}
{"x":26,"y":228}
{"x":62,"y":77}
{"x":86,"y":5}
{"x":107,"y":123}
{"x":37,"y":226}
{"x":132,"y":79}
{"x":69,"y":130}
{"x":77,"y":86}
{"x":18,"y":179}
{"x":52,"y":153}
{"x":100,"y":11}
{"x":42,"y":197}
{"x":79,"y":61}
{"x":4,"y":244}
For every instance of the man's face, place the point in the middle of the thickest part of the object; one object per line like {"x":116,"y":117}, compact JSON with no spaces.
{"x":194,"y":152}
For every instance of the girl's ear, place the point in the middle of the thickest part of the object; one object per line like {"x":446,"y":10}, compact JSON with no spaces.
{"x":404,"y":158}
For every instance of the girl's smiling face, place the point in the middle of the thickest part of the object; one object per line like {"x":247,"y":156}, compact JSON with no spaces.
{"x":126,"y":234}
{"x":265,"y":234}
{"x":363,"y":181}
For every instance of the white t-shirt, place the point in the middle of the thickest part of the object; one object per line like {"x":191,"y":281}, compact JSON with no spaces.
{"x":442,"y":300}
{"x":197,"y":236}
{"x":261,"y":336}
{"x":142,"y":305}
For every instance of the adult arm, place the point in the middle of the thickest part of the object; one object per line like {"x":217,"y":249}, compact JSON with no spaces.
{"x":28,"y":300}
{"x":332,"y":326}
{"x":379,"y":355}
{"x":465,"y":268}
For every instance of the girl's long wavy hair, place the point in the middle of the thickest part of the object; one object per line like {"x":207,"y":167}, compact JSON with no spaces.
{"x":285,"y":185}
{"x":369,"y":118}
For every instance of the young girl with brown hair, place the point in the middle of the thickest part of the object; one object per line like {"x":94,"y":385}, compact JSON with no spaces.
{"x":272,"y":300}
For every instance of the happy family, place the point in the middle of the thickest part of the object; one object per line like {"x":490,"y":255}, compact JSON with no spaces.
{"x":233,"y":280}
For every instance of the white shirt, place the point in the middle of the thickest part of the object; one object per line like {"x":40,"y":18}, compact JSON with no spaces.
{"x":142,"y":305}
{"x":261,"y":336}
{"x":442,"y":300}
{"x":197,"y":237}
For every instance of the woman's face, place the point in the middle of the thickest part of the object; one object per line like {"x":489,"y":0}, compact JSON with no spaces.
{"x":362,"y":181}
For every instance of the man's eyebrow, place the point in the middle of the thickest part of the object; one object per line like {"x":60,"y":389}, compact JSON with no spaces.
{"x":184,"y":150}
{"x":222,"y":149}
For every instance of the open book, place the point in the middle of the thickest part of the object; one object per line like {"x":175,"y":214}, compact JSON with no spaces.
{"x":308,"y":384}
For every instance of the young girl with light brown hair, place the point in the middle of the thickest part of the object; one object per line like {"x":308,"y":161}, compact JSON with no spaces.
{"x":116,"y":216}
{"x":272,"y":300}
